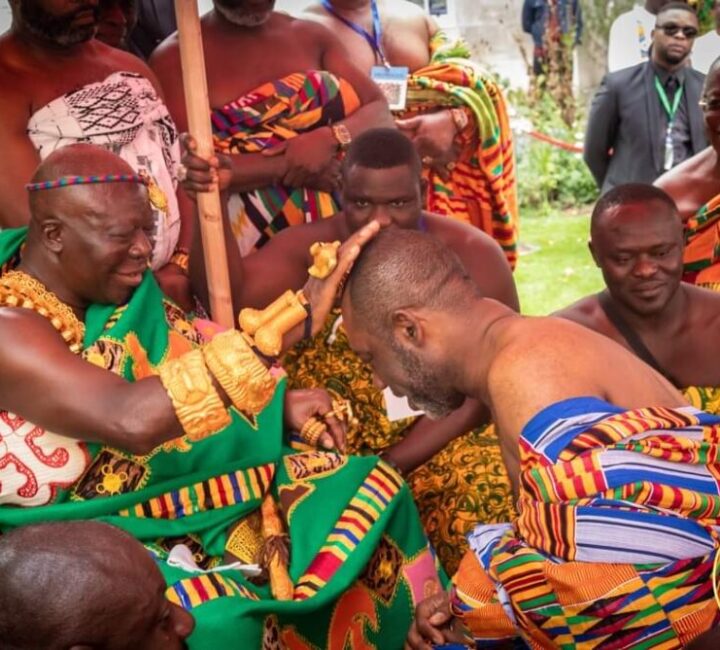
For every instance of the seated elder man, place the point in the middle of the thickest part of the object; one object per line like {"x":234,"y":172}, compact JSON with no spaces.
{"x":115,"y":404}
{"x":616,"y":475}
{"x":283,"y":109}
{"x":95,"y":585}
{"x":453,"y":467}
{"x":636,"y":238}
{"x":61,"y":86}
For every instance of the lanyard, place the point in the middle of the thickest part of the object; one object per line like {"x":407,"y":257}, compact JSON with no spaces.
{"x":671,"y":111}
{"x":374,"y":39}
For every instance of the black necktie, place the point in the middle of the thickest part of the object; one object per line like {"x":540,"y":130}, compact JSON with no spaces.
{"x":671,"y":86}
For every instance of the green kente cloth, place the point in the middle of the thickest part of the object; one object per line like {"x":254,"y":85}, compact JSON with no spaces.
{"x":359,"y":559}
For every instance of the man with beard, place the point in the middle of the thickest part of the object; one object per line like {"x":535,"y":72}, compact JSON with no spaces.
{"x":453,"y":467}
{"x":284,"y":112}
{"x":61,"y":86}
{"x":95,"y":585}
{"x":616,"y":476}
{"x":637,"y":241}
{"x":645,"y":119}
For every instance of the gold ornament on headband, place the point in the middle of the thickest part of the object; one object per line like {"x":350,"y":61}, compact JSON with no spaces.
{"x":197,"y":404}
{"x":157,"y":197}
{"x":324,"y":259}
{"x":247,"y":382}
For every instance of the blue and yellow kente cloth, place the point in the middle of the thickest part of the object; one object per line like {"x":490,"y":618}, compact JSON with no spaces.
{"x":265,"y":118}
{"x":616,"y":535}
{"x":359,"y":561}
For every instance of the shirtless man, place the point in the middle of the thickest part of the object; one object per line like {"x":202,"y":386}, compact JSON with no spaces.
{"x":61,"y":86}
{"x":551,"y":386}
{"x":636,"y":238}
{"x":467,"y":179}
{"x":282,"y":110}
{"x":381,"y":182}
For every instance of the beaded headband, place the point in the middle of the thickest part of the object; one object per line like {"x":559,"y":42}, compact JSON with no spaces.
{"x":68,"y":181}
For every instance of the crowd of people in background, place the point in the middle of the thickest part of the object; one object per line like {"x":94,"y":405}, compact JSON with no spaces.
{"x":383,"y":452}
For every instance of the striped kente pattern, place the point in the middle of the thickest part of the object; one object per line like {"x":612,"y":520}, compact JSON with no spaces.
{"x":191,"y":592}
{"x":217,"y":492}
{"x":361,"y":514}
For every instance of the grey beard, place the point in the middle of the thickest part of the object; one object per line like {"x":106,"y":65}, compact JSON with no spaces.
{"x":242,"y":19}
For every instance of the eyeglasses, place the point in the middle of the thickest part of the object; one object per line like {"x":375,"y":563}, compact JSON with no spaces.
{"x":671,"y":29}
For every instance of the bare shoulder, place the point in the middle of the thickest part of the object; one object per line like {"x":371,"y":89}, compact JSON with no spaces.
{"x":585,"y":311}
{"x":705,"y":308}
{"x":675,"y":181}
{"x":298,"y":239}
{"x":166,"y":55}
{"x":310,"y":30}
{"x":468,"y":242}
{"x":315,"y":12}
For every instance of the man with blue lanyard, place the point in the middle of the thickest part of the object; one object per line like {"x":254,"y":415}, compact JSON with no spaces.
{"x":646,"y":119}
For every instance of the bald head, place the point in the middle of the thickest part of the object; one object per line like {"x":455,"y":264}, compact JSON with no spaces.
{"x":70,"y":582}
{"x":79,"y":160}
{"x":404,"y":269}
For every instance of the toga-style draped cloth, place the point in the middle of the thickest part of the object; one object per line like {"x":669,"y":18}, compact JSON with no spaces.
{"x":481,"y":189}
{"x":701,"y":258}
{"x":619,"y":513}
{"x":125,"y":115}
{"x":262,"y":119}
{"x":359,"y":561}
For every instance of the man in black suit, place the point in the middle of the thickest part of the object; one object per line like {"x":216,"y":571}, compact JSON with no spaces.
{"x":645,"y":119}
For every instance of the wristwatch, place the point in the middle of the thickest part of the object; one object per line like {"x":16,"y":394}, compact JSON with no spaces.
{"x":342,"y":135}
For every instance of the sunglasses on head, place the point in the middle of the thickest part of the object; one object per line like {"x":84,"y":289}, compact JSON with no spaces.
{"x":671,"y":29}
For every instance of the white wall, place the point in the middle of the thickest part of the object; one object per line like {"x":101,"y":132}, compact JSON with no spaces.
{"x":5,"y":16}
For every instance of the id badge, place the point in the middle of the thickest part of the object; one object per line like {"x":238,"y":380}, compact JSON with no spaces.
{"x":393,"y":82}
{"x":669,"y":149}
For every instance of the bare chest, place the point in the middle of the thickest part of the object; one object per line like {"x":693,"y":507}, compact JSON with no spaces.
{"x":402,"y":43}
{"x":46,"y":84}
{"x":238,"y":67}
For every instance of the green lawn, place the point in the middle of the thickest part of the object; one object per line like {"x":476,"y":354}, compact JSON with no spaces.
{"x":557,"y":268}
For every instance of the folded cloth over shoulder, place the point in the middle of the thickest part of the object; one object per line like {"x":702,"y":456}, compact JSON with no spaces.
{"x":616,"y":535}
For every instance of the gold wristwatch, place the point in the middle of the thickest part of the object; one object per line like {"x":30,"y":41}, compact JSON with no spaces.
{"x":342,"y":135}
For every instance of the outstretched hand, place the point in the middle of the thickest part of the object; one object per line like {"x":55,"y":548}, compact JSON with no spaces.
{"x":432,"y":624}
{"x":203,"y":175}
{"x":301,"y":405}
{"x":322,"y":294}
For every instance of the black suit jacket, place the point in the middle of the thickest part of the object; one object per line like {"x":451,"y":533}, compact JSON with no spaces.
{"x":626,"y":117}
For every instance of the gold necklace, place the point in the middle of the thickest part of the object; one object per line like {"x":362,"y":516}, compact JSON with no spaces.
{"x":18,"y":289}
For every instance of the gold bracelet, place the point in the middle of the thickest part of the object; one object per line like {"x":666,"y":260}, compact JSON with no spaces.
{"x":269,"y":337}
{"x":197,"y":404}
{"x":247,"y":382}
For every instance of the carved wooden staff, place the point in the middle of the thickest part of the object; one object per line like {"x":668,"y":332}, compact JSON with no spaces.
{"x":198,"y":116}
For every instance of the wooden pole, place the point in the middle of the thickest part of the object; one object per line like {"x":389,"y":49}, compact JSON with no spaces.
{"x":198,"y":116}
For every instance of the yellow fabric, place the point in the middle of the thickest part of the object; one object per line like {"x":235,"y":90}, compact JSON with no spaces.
{"x":705,"y":398}
{"x":463,"y":485}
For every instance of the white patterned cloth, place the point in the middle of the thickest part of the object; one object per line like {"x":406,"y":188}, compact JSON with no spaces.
{"x":124,"y":114}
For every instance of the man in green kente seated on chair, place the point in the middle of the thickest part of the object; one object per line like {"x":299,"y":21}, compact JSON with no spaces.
{"x":117,"y":406}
